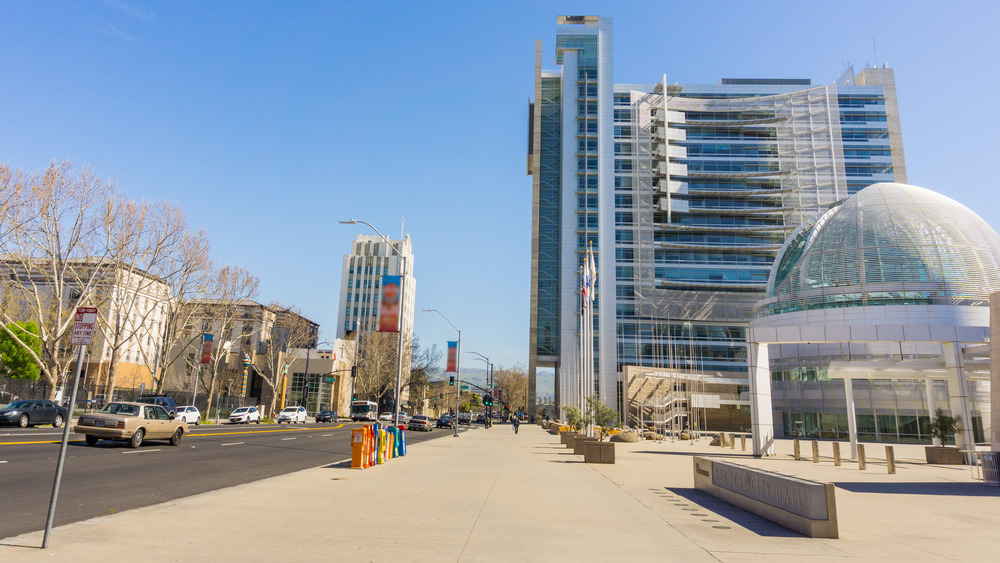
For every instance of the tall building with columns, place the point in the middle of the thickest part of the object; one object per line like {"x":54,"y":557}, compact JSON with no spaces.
{"x":686,"y":193}
{"x":370,"y":259}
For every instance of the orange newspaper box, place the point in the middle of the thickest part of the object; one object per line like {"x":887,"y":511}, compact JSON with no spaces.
{"x":359,"y":459}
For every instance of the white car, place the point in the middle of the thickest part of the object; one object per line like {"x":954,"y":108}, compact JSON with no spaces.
{"x":189,"y":415}
{"x":244,"y":415}
{"x":292,"y":414}
{"x":386,"y":416}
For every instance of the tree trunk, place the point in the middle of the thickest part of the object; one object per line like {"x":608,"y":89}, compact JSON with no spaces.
{"x":211,"y":392}
{"x":109,"y":389}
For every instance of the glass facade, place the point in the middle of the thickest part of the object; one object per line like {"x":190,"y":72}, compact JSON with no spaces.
{"x":694,"y":194}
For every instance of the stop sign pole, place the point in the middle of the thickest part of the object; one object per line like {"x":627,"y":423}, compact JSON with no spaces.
{"x":83,"y":334}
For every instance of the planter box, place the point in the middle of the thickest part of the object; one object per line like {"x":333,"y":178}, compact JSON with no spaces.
{"x":580,"y":443}
{"x":944,"y":455}
{"x":599,"y":452}
{"x":565,"y":435}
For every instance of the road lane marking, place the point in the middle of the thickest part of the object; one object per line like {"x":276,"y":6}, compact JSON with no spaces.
{"x":283,"y":439}
{"x":326,"y":434}
{"x":142,"y":451}
{"x":3,"y":462}
{"x":233,"y":444}
{"x":40,"y":442}
{"x":193,"y":435}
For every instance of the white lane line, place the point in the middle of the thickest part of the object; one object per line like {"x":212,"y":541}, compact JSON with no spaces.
{"x":326,"y":434}
{"x":3,"y":462}
{"x":283,"y":439}
{"x":142,"y":451}
{"x":233,"y":444}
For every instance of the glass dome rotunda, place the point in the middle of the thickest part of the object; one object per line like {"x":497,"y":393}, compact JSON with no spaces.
{"x":888,"y":244}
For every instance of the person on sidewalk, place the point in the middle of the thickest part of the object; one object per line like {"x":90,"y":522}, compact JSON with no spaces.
{"x":515,"y":422}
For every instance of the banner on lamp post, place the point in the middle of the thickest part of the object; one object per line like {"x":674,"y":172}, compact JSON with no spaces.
{"x":388,"y":317}
{"x":452,"y":357}
{"x":206,"y":349}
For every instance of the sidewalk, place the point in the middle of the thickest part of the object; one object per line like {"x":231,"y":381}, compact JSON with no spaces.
{"x":490,"y":495}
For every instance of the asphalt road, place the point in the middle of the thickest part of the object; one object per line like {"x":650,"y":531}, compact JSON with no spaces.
{"x":111,"y":477}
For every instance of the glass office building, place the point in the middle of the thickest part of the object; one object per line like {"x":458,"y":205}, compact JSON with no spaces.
{"x":685,"y":192}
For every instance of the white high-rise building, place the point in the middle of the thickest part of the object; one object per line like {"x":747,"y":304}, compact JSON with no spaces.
{"x":370,"y":258}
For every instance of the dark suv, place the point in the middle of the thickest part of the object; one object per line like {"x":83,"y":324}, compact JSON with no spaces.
{"x":165,"y":402}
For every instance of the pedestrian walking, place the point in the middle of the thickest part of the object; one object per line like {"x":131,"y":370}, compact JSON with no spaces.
{"x":514,"y":421}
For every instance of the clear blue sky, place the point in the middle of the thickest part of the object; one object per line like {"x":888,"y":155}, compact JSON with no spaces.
{"x":271,"y":121}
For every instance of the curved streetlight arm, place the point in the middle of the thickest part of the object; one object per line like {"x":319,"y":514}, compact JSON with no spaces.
{"x":458,"y":366}
{"x":378,"y":232}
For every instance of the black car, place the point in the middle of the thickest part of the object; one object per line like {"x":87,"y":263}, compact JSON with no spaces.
{"x":162,"y":400}
{"x":326,"y":416}
{"x":33,"y":411}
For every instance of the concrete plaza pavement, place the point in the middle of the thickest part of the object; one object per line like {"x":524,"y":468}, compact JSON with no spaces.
{"x":490,"y":495}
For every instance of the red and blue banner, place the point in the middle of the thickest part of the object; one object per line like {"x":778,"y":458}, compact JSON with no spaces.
{"x":206,"y":349}
{"x":452,"y":357}
{"x":388,"y":317}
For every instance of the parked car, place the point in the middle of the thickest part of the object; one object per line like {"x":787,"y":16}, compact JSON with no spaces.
{"x":445,"y":421}
{"x":244,"y":415}
{"x":326,"y":416}
{"x":189,"y":414}
{"x":292,"y":414}
{"x":386,"y":416}
{"x":403,"y":417}
{"x":419,"y":422}
{"x":162,"y":400}
{"x":29,"y":412}
{"x":131,"y":422}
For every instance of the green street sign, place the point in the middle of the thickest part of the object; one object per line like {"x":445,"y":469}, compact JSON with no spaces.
{"x":329,"y":379}
{"x":465,"y":388}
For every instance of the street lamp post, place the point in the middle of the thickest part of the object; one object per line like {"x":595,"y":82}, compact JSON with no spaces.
{"x":402,"y":308}
{"x":458,"y":366}
{"x":489,"y":385}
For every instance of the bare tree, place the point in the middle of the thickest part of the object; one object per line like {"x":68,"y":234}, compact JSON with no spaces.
{"x":423,"y":365}
{"x":230,"y":316}
{"x":55,"y":258}
{"x":291,"y":330}
{"x":145,"y":240}
{"x":513,"y":385}
{"x":189,"y":272}
{"x":377,"y":365}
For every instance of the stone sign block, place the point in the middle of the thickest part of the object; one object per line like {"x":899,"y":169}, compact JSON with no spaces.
{"x":805,"y":506}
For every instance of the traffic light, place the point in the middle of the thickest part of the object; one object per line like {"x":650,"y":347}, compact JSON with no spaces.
{"x":451,"y":381}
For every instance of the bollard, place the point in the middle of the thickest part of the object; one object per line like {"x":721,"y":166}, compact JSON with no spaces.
{"x":861,"y":457}
{"x":836,"y":454}
{"x":795,"y":444}
{"x":890,"y":460}
{"x":815,"y":451}
{"x":732,"y":439}
{"x":743,"y":442}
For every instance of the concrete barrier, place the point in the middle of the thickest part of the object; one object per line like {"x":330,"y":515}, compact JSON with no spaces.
{"x":815,"y":451}
{"x":795,"y":449}
{"x":862,"y":464}
{"x":890,"y":460}
{"x":580,"y":443}
{"x":565,"y":435}
{"x":836,"y":454}
{"x":806,"y":507}
{"x":599,"y":452}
